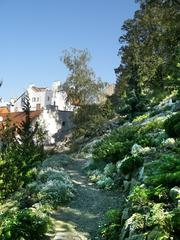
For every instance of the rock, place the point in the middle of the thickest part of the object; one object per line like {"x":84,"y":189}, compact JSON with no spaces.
{"x":126,"y":185}
{"x":174,"y":193}
{"x":136,"y":149}
{"x":169,"y":142}
{"x":133,"y":183}
{"x":141,"y":174}
{"x":125,"y":214}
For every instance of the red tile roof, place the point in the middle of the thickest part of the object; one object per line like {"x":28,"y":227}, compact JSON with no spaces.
{"x":17,"y":117}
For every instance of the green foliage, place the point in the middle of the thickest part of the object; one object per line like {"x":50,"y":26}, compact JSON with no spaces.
{"x":116,"y":145}
{"x":139,"y":196}
{"x":81,"y":86}
{"x":148,"y":135}
{"x":129,"y":164}
{"x":89,"y":119}
{"x":149,"y":55}
{"x":110,"y":170}
{"x":159,"y":217}
{"x":176,"y":220}
{"x":166,"y":171}
{"x":111,"y":227}
{"x":172,"y":126}
{"x":53,"y":185}
{"x":159,"y":193}
{"x":140,"y":118}
{"x":24,"y":224}
{"x":20,"y":156}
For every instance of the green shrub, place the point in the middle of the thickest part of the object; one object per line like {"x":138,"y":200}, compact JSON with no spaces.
{"x":110,"y":170}
{"x":88,"y":119}
{"x":116,"y":145}
{"x":54,"y":186}
{"x":129,"y":164}
{"x":140,"y":118}
{"x":23,"y":224}
{"x":139,"y":196}
{"x":105,"y":182}
{"x":111,"y":227}
{"x":176,"y":221}
{"x":159,"y":193}
{"x":158,"y":216}
{"x":165,"y":172}
{"x":172,"y":126}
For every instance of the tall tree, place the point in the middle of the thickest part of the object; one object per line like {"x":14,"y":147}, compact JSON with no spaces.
{"x":150,"y":51}
{"x":82,"y":86}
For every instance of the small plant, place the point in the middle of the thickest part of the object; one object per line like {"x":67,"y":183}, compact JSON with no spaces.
{"x":110,"y":170}
{"x":129,"y":164}
{"x":116,"y":145}
{"x":167,"y":171}
{"x":54,"y":186}
{"x":111,"y":227}
{"x":24,"y":224}
{"x":141,"y":118}
{"x":139,"y":196}
{"x":172,"y":126}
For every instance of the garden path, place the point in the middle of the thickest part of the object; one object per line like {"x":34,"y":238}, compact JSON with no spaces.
{"x":80,"y":219}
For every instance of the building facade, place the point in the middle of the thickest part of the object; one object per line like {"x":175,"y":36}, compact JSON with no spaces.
{"x":42,"y":98}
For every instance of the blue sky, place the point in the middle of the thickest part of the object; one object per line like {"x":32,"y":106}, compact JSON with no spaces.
{"x":33,"y":34}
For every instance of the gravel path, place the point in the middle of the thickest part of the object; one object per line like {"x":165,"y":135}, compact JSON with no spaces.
{"x":80,"y":219}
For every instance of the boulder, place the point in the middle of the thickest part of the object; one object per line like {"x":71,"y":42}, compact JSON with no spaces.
{"x":174,"y":193}
{"x":125,"y":214}
{"x":169,"y":142}
{"x":126,"y":185}
{"x":141,"y":174}
{"x":136,"y":149}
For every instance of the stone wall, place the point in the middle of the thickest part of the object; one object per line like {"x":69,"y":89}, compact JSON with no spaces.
{"x":57,"y":124}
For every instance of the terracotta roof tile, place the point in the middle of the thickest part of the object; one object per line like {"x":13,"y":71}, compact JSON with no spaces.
{"x":17,"y":117}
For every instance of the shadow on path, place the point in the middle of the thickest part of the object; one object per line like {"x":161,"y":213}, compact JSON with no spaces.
{"x":80,"y":219}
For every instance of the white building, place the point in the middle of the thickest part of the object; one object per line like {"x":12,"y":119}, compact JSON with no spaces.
{"x":42,"y":98}
{"x":59,"y":97}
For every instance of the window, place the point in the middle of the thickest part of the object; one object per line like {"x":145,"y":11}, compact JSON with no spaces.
{"x":48,"y":98}
{"x":33,"y":99}
{"x":37,"y":99}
